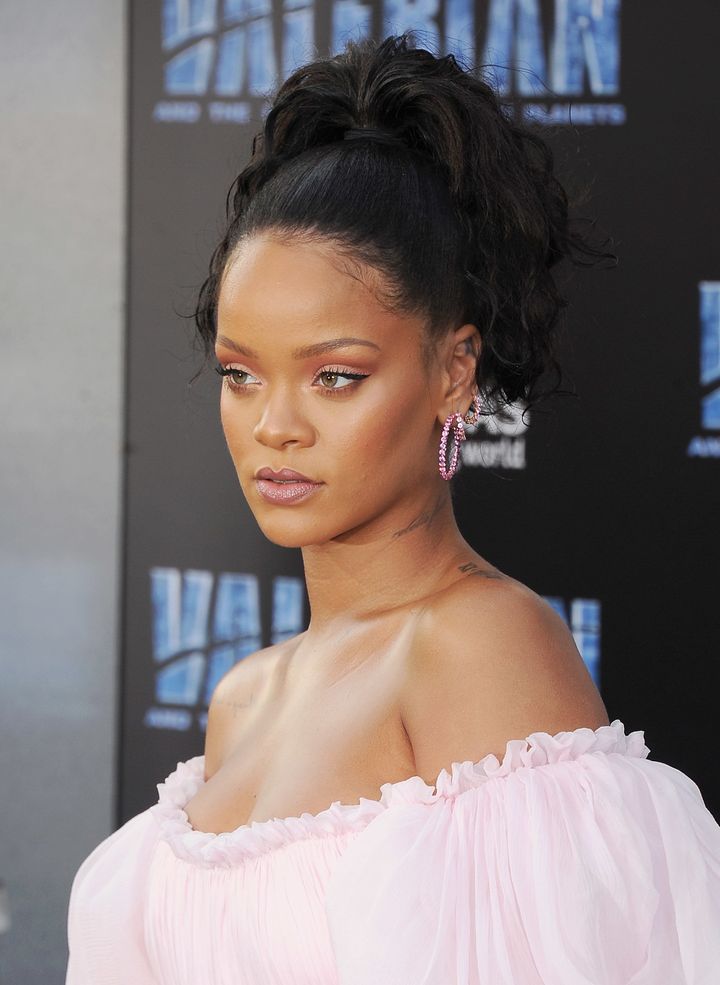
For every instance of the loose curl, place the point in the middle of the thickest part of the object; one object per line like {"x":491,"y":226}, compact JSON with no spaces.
{"x":464,"y":223}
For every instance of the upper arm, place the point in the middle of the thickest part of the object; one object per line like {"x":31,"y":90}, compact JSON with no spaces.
{"x":491,"y":665}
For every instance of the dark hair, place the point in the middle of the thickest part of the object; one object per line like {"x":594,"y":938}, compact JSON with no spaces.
{"x":464,"y":222}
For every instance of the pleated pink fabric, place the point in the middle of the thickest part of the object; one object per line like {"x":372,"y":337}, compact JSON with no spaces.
{"x":574,"y":861}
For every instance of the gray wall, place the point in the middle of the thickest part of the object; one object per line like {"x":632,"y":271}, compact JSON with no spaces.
{"x":62,"y":202}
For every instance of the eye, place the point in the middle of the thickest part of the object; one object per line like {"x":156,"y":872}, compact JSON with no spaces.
{"x":228,"y":372}
{"x":334,"y":373}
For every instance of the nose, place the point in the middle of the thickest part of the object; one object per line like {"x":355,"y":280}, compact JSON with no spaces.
{"x":282,"y":423}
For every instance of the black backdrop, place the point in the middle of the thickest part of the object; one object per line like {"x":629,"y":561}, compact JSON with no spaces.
{"x":606,"y":504}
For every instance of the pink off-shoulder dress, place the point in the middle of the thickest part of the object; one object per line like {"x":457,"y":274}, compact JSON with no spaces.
{"x":574,"y":861}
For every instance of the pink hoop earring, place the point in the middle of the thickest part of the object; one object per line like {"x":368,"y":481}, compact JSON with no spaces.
{"x":455,"y":422}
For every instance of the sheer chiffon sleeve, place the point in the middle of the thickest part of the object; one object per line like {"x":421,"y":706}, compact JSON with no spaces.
{"x":575,"y":861}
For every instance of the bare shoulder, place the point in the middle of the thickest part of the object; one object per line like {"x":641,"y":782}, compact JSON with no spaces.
{"x":491,"y":661}
{"x":235,"y":695}
{"x":246,"y":674}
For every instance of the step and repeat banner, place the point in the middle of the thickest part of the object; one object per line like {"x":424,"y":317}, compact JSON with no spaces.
{"x":604,"y":502}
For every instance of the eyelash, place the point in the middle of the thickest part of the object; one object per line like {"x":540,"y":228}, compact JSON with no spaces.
{"x":226,"y":373}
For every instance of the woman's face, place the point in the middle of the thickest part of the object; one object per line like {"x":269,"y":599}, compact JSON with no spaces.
{"x":370,"y":444}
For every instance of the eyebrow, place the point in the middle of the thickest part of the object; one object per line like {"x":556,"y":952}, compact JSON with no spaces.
{"x":304,"y":352}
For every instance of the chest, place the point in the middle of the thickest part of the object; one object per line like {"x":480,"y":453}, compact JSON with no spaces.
{"x":307,"y":737}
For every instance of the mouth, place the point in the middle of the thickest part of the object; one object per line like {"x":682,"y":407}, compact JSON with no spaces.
{"x":285,"y":491}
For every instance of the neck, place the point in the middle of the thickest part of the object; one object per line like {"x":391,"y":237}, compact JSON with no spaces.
{"x":396,"y":559}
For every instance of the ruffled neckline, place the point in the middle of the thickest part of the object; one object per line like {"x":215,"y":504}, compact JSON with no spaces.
{"x":229,"y":848}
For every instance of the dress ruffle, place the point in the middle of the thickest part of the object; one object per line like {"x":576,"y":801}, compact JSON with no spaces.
{"x":542,"y":749}
{"x":575,"y":861}
{"x":248,"y":841}
{"x":228,"y":848}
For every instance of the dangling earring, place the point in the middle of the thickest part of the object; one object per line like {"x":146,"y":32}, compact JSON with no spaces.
{"x":455,"y":422}
{"x":473,"y":415}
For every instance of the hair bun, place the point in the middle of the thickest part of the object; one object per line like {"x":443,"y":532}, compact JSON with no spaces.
{"x":464,"y":228}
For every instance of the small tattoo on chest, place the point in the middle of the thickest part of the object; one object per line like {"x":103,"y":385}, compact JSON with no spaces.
{"x":235,"y":705}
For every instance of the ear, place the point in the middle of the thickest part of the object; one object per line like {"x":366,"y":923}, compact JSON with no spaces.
{"x":458,"y":360}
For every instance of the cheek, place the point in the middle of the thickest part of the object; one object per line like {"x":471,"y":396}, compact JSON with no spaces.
{"x":232,"y":424}
{"x":385,"y":435}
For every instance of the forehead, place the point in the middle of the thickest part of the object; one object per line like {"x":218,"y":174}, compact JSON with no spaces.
{"x":273,"y":283}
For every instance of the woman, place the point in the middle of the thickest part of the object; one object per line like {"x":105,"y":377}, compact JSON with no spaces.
{"x":384,"y":280}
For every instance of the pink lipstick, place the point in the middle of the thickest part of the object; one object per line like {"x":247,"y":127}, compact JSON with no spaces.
{"x":284,"y":487}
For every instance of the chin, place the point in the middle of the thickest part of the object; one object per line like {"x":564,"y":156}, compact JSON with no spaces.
{"x":288,"y":534}
{"x":281,"y":541}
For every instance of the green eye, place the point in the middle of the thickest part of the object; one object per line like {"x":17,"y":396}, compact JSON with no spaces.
{"x":335,"y":374}
{"x":229,"y":372}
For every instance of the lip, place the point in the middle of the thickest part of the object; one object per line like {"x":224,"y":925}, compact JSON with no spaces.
{"x":285,"y":493}
{"x":286,"y":474}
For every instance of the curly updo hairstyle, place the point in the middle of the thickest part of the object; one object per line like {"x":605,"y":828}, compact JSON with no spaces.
{"x":464,"y":220}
